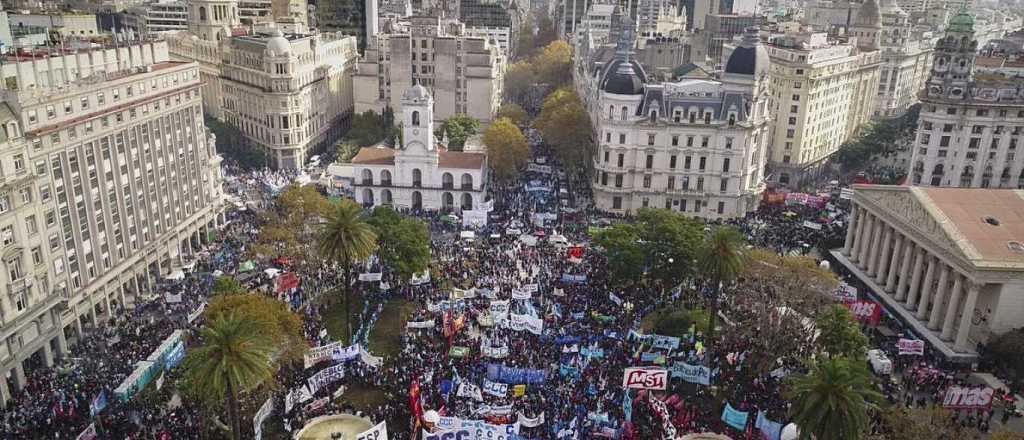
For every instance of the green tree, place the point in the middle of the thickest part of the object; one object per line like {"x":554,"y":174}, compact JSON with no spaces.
{"x":235,"y":356}
{"x":282,"y":326}
{"x":368,"y":128}
{"x":833,"y":400}
{"x":565,"y":126}
{"x":403,"y":243}
{"x":719,"y":261}
{"x":459,"y":128}
{"x":839,"y":334}
{"x":515,"y":113}
{"x":226,"y":285}
{"x":231,"y":143}
{"x":346,"y":238}
{"x":520,"y":77}
{"x":624,"y":251}
{"x":1006,"y":348}
{"x":669,"y":239}
{"x":507,"y":149}
{"x":289,"y":227}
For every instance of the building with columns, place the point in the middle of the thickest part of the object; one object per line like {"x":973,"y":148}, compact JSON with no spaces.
{"x":108,"y":179}
{"x":420,"y":174}
{"x":948,"y":262}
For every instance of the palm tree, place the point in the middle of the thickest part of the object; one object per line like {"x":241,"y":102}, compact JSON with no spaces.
{"x":719,"y":261}
{"x":235,"y":356}
{"x":832,"y":401}
{"x":347,"y":238}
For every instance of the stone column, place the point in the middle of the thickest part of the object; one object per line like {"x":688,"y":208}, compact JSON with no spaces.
{"x":952,"y":307}
{"x":876,"y":244}
{"x":882,"y":268}
{"x":864,"y":239}
{"x":926,"y":289}
{"x":47,"y":354}
{"x":908,"y":255}
{"x":964,"y":330}
{"x":19,"y":376}
{"x":62,"y":343}
{"x":894,"y":264}
{"x":940,"y":296}
{"x":916,"y":282}
{"x":5,"y":393}
{"x":850,"y":229}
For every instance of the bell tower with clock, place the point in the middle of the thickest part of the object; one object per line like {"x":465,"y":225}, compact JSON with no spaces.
{"x":953,"y":63}
{"x":417,"y":119}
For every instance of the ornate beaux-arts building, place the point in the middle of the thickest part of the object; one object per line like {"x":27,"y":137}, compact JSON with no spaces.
{"x":945,"y":261}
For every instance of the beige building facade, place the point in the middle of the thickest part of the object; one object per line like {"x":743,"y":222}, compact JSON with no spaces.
{"x":464,"y":74}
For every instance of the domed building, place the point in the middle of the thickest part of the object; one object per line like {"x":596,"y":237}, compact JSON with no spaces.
{"x":696,"y":145}
{"x":286,"y":90}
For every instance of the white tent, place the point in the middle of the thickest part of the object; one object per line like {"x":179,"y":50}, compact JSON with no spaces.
{"x":272,"y":272}
{"x":176,"y":275}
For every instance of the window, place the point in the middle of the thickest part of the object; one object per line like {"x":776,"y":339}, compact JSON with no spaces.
{"x":972,"y":155}
{"x":792,"y":120}
{"x":942,"y":153}
{"x":982,"y":112}
{"x":650,"y":161}
{"x":51,"y":218}
{"x":19,"y":163}
{"x":650,"y":139}
{"x":618,"y":180}
{"x":728,"y":143}
{"x":622,"y":138}
{"x":789,"y":145}
{"x":14,"y":270}
{"x":704,"y":141}
{"x":606,"y":157}
{"x":621,"y":157}
{"x":794,"y":109}
{"x":951,"y":111}
{"x":616,"y":202}
{"x":84,"y":102}
{"x":926,"y":125}
{"x":721,"y":207}
{"x":671,"y":182}
{"x":725,"y":165}
{"x":703,"y":162}
{"x":790,"y":133}
{"x":723,"y":185}
{"x":944,"y":141}
{"x":977,"y":129}
{"x":26,"y":195}
{"x":32,"y":118}
{"x":796,"y":97}
{"x":101,"y":99}
{"x":8,"y":234}
{"x":37,"y":256}
{"x":647,"y":181}
{"x":686,"y":162}
{"x":672,"y":162}
{"x":974,"y":143}
{"x":30,"y":225}
{"x":700,"y":183}
{"x":44,"y":193}
{"x":608,"y":137}
{"x":675,"y":140}
{"x":925,"y":138}
{"x":689,"y":141}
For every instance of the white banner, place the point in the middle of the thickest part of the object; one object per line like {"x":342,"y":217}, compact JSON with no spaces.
{"x":845,"y":293}
{"x":496,"y":389}
{"x":543,"y":169}
{"x":295,"y":397}
{"x":89,"y":433}
{"x":192,"y":316}
{"x":420,"y":278}
{"x":532,"y":288}
{"x":371,"y":276}
{"x":530,"y":422}
{"x":172,"y":298}
{"x":334,"y":350}
{"x":325,"y":377}
{"x":812,"y":225}
{"x":369,"y":359}
{"x":474,"y":218}
{"x":419,"y":324}
{"x":526,"y":322}
{"x":494,"y":352}
{"x":521,"y":294}
{"x":261,"y":416}
{"x":462,"y":294}
{"x":645,"y":378}
{"x":499,"y":311}
{"x":379,"y":432}
{"x":472,"y":391}
{"x":846,"y":193}
{"x":911,"y":346}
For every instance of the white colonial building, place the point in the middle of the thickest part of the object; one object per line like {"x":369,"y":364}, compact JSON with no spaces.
{"x":971,"y":123}
{"x":696,"y":146}
{"x":948,"y":262}
{"x":420,"y":174}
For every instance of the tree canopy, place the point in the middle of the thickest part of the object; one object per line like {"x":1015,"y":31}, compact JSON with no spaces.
{"x":565,"y":126}
{"x":369,"y":128}
{"x":227,"y":285}
{"x":231,"y":144}
{"x":290,"y":225}
{"x":839,"y":334}
{"x":274,"y":321}
{"x":507,"y":148}
{"x":554,"y":64}
{"x":660,"y":242}
{"x":515,"y":113}
{"x":403,"y":243}
{"x":458,"y":128}
{"x":833,"y":400}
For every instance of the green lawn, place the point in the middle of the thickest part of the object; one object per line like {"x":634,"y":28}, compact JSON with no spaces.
{"x":386,"y":336}
{"x":362,"y":397}
{"x":334,"y":320}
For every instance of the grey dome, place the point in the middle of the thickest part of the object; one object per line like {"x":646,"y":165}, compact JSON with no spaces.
{"x":623,"y":78}
{"x":278,"y":45}
{"x":749,"y":58}
{"x":416,"y":93}
{"x":868,"y":15}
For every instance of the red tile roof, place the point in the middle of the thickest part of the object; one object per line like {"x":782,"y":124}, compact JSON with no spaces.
{"x":374,"y":156}
{"x":454,"y":159}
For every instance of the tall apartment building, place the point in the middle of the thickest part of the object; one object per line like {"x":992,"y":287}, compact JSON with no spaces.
{"x":971,"y":123}
{"x":465,"y":74}
{"x":696,"y":145}
{"x":160,"y":16}
{"x":64,"y":24}
{"x":289,"y":93}
{"x":824,"y":91}
{"x":109,"y":179}
{"x":906,"y":61}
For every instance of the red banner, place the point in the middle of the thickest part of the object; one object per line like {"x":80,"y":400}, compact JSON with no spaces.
{"x":865,"y":311}
{"x":575,"y":252}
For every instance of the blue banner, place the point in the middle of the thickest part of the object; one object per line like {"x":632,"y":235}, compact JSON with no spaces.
{"x":692,"y":373}
{"x":567,"y":371}
{"x":735,"y":418}
{"x":573,"y":279}
{"x":98,"y":403}
{"x":511,"y":375}
{"x":175,"y":356}
{"x":771,"y":430}
{"x":627,"y":406}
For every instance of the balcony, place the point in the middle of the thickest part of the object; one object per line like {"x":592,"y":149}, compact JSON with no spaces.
{"x":447,"y":185}
{"x":385,"y":182}
{"x":467,"y":186}
{"x":417,"y":184}
{"x":17,"y":286}
{"x":368,"y":182}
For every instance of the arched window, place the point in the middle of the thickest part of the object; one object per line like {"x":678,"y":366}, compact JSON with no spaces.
{"x":625,"y":113}
{"x":385,"y":197}
{"x":447,"y":200}
{"x":367,"y":177}
{"x":417,"y":177}
{"x":447,"y":180}
{"x":202,"y":13}
{"x":654,"y":116}
{"x":367,"y":197}
{"x":467,"y":181}
{"x":467,"y":201}
{"x":611,"y":112}
{"x":385,"y":178}
{"x":415,"y":118}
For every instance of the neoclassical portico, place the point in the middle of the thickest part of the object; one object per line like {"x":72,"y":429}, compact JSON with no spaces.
{"x":947,"y":261}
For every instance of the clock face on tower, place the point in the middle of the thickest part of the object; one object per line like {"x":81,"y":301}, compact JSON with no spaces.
{"x":416,"y":131}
